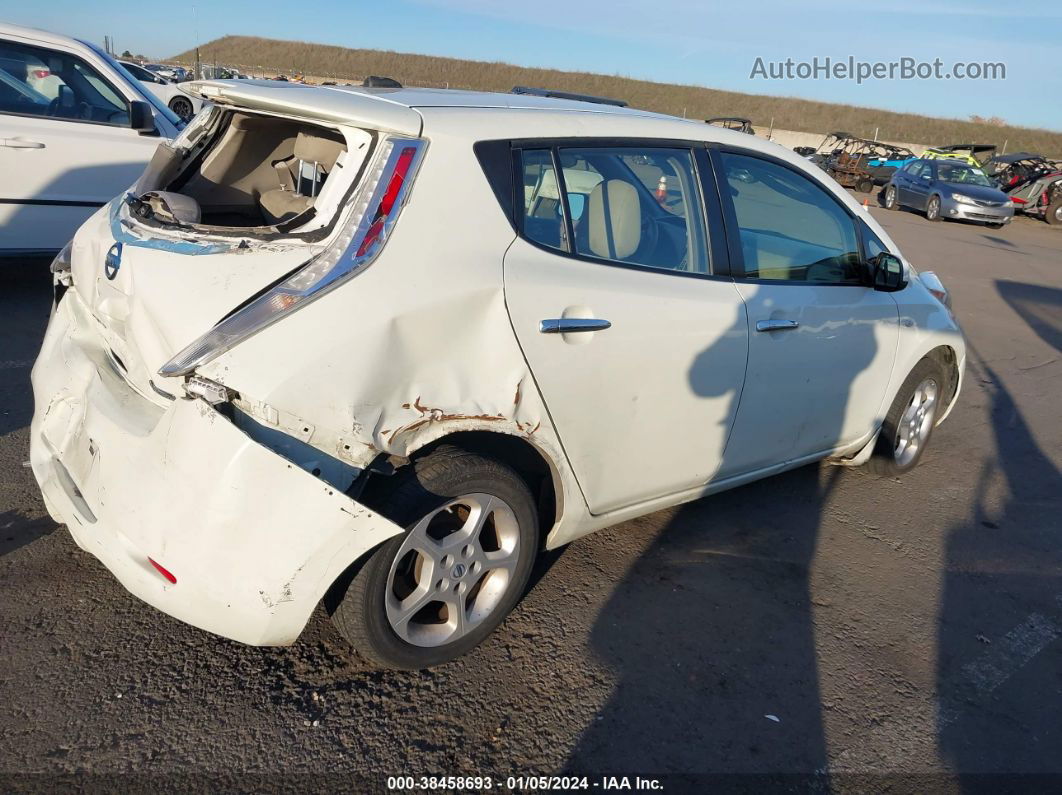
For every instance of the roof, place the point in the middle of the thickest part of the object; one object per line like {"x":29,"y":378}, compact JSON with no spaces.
{"x":964,"y":147}
{"x":47,"y":37}
{"x":392,"y":109}
{"x":1014,"y":157}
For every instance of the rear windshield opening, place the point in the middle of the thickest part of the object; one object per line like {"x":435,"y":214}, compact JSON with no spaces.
{"x":248,"y":171}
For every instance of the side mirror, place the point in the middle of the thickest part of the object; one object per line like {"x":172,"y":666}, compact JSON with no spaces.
{"x":926,"y":177}
{"x":890,"y":274}
{"x":141,"y":118}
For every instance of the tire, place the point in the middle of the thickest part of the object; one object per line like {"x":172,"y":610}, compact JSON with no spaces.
{"x":442,"y":565}
{"x":890,"y":198}
{"x":1053,"y":214}
{"x":894,"y":453}
{"x":933,"y":208}
{"x":182,"y":106}
{"x":865,"y":185}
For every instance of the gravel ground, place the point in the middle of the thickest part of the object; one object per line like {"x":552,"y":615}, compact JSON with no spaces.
{"x":852,"y":631}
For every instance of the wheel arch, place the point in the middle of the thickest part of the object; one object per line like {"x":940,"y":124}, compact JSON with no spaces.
{"x":528,"y":460}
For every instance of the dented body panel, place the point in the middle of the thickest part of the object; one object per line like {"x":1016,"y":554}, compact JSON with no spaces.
{"x":253,"y":541}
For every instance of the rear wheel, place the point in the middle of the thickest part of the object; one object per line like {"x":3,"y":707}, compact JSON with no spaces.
{"x":908,"y":426}
{"x":1054,"y":212}
{"x":865,"y":185}
{"x":933,"y":208}
{"x":436,"y":592}
{"x":890,"y":198}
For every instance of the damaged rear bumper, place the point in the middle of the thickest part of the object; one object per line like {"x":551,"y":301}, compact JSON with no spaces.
{"x":253,"y":541}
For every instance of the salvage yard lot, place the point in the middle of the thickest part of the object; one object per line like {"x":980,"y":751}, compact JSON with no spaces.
{"x":892,"y":626}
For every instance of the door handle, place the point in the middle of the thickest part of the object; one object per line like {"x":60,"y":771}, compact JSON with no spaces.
{"x":567,"y":325}
{"x":19,"y":143}
{"x":775,"y":325}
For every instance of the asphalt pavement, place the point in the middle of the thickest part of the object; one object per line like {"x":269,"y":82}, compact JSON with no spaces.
{"x":824,"y":628}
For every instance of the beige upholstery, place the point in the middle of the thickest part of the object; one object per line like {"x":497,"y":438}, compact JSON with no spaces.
{"x":279,"y":205}
{"x":614,"y":216}
{"x":285,"y":202}
{"x":318,"y":149}
{"x":257,"y":157}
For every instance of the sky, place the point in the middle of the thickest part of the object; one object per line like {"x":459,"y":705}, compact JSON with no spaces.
{"x":696,"y":42}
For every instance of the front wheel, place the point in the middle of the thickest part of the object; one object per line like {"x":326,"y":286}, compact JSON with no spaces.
{"x":436,"y":592}
{"x":933,"y":208}
{"x":908,"y":426}
{"x":890,"y":198}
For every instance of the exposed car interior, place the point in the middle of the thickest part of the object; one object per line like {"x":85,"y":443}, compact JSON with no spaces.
{"x":253,"y":171}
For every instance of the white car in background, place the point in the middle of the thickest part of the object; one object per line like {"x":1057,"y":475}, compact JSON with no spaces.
{"x":379,"y":347}
{"x":168,"y":91}
{"x":75,"y":130}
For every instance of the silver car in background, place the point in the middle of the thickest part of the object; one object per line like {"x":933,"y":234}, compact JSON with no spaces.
{"x":949,"y":189}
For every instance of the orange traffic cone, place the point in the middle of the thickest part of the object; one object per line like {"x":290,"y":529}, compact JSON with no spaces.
{"x":866,"y":203}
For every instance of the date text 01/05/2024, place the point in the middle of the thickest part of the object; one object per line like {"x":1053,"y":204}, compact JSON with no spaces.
{"x":522,"y":783}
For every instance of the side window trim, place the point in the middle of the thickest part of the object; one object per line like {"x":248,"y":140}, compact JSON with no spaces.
{"x":733,"y":237}
{"x":718,"y":253}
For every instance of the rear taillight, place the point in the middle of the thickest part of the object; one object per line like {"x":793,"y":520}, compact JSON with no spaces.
{"x":370,"y":218}
{"x":390,"y":198}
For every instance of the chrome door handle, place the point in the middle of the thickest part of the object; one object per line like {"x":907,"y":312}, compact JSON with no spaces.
{"x":566,"y":325}
{"x":775,"y":325}
{"x":18,"y":143}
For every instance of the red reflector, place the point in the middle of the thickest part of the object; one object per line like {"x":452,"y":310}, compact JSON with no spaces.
{"x":405,"y":159}
{"x":163,"y":571}
{"x":1016,"y":200}
{"x":41,"y":73}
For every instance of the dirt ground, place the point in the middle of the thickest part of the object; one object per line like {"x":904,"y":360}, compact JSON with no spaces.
{"x":825,"y":628}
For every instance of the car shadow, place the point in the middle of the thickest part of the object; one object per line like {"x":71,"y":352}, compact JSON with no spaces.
{"x":1001,"y":610}
{"x":711,"y":632}
{"x":1039,"y":306}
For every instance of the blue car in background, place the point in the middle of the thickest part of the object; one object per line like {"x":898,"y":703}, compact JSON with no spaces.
{"x":949,"y":189}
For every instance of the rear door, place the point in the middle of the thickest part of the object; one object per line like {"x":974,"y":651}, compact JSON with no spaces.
{"x":637,"y":343}
{"x":66,"y":147}
{"x":822,"y":343}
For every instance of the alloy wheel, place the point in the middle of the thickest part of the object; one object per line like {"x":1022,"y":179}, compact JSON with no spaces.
{"x":453,"y":569}
{"x":182,"y":107}
{"x":916,"y":422}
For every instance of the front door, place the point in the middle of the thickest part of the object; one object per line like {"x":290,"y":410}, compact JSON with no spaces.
{"x":822,"y":343}
{"x":66,"y":146}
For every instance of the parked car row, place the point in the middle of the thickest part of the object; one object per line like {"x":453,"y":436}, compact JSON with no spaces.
{"x":168,"y":91}
{"x":966,"y":182}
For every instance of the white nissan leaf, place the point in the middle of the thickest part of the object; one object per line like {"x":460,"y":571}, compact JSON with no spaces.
{"x":379,"y":347}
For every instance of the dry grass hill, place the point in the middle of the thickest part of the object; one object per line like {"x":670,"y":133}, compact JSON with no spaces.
{"x":268,"y":57}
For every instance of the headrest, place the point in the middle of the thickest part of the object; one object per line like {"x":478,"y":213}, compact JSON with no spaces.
{"x":615,"y":217}
{"x":317,"y":149}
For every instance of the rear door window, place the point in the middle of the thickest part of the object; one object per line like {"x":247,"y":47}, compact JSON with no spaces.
{"x":635,"y":205}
